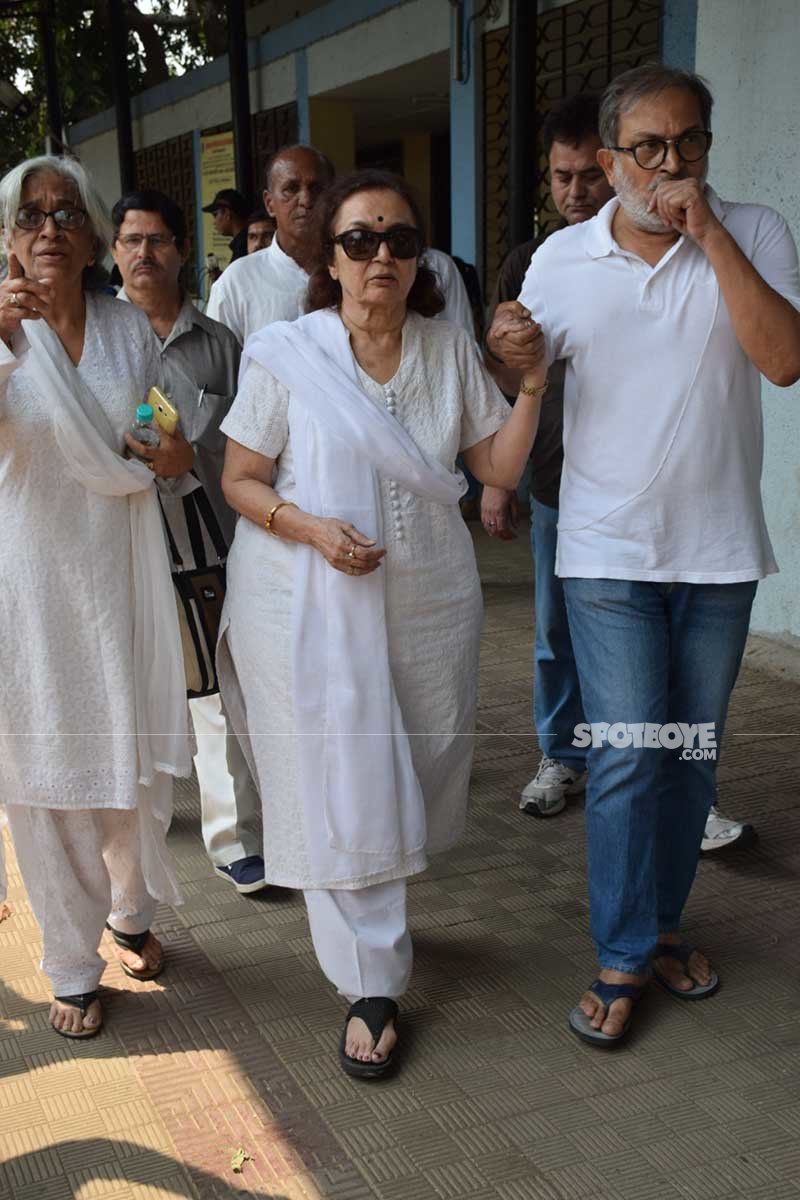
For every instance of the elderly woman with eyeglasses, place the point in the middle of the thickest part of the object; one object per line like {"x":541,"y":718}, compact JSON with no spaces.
{"x":354,"y":606}
{"x":92,"y":704}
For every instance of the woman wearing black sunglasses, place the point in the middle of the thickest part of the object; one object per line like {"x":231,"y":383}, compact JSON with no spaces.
{"x":354,"y":620}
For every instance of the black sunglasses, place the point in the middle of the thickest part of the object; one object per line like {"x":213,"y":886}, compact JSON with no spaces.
{"x":404,"y":241}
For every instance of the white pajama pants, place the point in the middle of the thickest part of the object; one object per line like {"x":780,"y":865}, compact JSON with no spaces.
{"x":81,"y":868}
{"x":230,"y":804}
{"x":361,"y":938}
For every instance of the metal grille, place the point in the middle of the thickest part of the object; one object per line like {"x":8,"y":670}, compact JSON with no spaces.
{"x":580,"y":48}
{"x":273,"y":128}
{"x":169,"y":167}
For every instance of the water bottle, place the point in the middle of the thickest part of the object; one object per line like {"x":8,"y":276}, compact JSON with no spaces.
{"x":144,"y":428}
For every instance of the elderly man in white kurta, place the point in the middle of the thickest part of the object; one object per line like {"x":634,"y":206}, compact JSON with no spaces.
{"x":271,"y":284}
{"x":93,"y":716}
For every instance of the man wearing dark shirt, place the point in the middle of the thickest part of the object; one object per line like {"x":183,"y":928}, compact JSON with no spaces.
{"x":579,"y":190}
{"x":229,"y":209}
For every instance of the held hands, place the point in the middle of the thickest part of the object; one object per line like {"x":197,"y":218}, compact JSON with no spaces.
{"x":499,"y":513}
{"x":517,"y":339}
{"x":173,"y":456}
{"x":347,"y":550}
{"x":21,"y":299}
{"x":682,"y":203}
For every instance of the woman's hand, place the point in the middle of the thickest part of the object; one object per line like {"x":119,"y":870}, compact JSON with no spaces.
{"x":344,"y":547}
{"x":21,"y":299}
{"x":171,"y":458}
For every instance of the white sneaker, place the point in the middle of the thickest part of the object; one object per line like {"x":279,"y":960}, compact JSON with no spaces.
{"x":546,"y":794}
{"x":721,"y":832}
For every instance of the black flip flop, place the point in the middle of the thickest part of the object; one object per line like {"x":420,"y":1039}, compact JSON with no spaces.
{"x":376,"y":1012}
{"x":135,"y":942}
{"x":82,"y":1003}
{"x":682,"y":951}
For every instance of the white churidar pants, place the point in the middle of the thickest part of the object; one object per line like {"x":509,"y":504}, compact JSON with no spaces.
{"x":229,"y":801}
{"x":361,"y":938}
{"x":81,"y":868}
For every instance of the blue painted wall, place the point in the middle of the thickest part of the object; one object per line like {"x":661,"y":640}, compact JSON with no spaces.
{"x":465,"y":138}
{"x":679,"y":33}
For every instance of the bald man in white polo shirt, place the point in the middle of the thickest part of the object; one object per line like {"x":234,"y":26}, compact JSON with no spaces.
{"x":668,"y":306}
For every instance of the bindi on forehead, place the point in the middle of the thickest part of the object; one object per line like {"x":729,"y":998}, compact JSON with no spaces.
{"x":380,"y":218}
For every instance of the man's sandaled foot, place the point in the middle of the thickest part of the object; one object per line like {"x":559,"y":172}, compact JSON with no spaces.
{"x":603,"y":1017}
{"x":78,"y":1017}
{"x":682,"y":970}
{"x":366,"y":1047}
{"x":140,"y":954}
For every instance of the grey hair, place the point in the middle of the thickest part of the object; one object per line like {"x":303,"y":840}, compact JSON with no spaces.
{"x":650,"y":80}
{"x":12,"y":184}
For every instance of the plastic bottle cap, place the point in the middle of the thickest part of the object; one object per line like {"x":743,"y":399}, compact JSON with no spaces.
{"x":144,"y":412}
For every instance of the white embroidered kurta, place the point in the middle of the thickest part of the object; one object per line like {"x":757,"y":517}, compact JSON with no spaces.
{"x":446,"y":402}
{"x":67,"y":718}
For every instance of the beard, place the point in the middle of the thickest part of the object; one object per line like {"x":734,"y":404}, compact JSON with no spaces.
{"x":635,"y":202}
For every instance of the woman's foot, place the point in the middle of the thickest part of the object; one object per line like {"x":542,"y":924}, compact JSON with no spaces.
{"x":146,"y":962}
{"x":67,"y":1020}
{"x":361,"y":1045}
{"x":611,"y":1020}
{"x":697,"y":971}
{"x":369,"y":1037}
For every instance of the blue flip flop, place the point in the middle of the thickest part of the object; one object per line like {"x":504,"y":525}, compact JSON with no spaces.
{"x":606,"y":993}
{"x":682,"y":951}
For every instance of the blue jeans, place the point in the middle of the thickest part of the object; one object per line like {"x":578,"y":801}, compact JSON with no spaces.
{"x":557,"y":707}
{"x":661,"y":653}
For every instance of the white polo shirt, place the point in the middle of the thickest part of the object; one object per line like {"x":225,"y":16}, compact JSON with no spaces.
{"x":663,"y":437}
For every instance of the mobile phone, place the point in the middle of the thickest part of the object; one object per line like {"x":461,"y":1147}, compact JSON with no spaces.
{"x":166,"y":414}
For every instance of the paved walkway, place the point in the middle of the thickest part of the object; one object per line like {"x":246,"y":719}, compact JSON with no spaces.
{"x":235,"y":1047}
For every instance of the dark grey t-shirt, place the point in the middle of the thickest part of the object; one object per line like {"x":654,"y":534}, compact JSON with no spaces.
{"x":547,"y":454}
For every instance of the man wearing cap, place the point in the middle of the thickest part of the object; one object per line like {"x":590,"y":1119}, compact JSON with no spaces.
{"x":229,"y":209}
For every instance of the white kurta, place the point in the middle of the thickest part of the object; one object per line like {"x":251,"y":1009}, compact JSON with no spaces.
{"x":446,"y":402}
{"x":67,"y":718}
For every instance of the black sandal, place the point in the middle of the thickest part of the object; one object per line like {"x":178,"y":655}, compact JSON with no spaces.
{"x":82,"y":1003}
{"x":376,"y":1012}
{"x":135,"y":942}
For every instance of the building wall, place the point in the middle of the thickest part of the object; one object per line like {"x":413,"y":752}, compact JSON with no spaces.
{"x":747,"y":49}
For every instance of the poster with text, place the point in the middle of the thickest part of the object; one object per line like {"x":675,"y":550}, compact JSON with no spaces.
{"x":217,"y":171}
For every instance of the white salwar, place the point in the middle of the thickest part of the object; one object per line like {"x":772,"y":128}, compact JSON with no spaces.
{"x":93,"y":713}
{"x":366,"y":772}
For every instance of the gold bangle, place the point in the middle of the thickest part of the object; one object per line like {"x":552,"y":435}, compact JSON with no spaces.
{"x":535,"y":391}
{"x":268,"y":519}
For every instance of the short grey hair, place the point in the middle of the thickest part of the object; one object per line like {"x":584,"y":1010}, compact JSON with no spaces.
{"x":650,"y":80}
{"x":12,"y":184}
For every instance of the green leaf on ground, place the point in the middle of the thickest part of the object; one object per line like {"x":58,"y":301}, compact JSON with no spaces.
{"x":239,"y":1159}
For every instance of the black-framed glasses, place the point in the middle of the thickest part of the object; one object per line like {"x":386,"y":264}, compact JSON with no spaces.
{"x":65,"y":218}
{"x":133,"y":241}
{"x":651,"y":153}
{"x":404,"y":241}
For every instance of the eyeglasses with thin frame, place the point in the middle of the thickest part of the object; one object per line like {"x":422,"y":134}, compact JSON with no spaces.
{"x":133,"y":241}
{"x":404,"y":241}
{"x":65,"y":218}
{"x":651,"y":153}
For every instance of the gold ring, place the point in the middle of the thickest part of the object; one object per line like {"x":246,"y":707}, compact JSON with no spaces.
{"x":151,"y":466}
{"x":352,"y":551}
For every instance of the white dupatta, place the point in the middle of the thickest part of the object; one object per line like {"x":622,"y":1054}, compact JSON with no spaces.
{"x":354,"y":758}
{"x":92,"y":457}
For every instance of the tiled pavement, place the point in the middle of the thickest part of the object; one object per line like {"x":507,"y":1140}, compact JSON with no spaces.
{"x":495,"y":1100}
